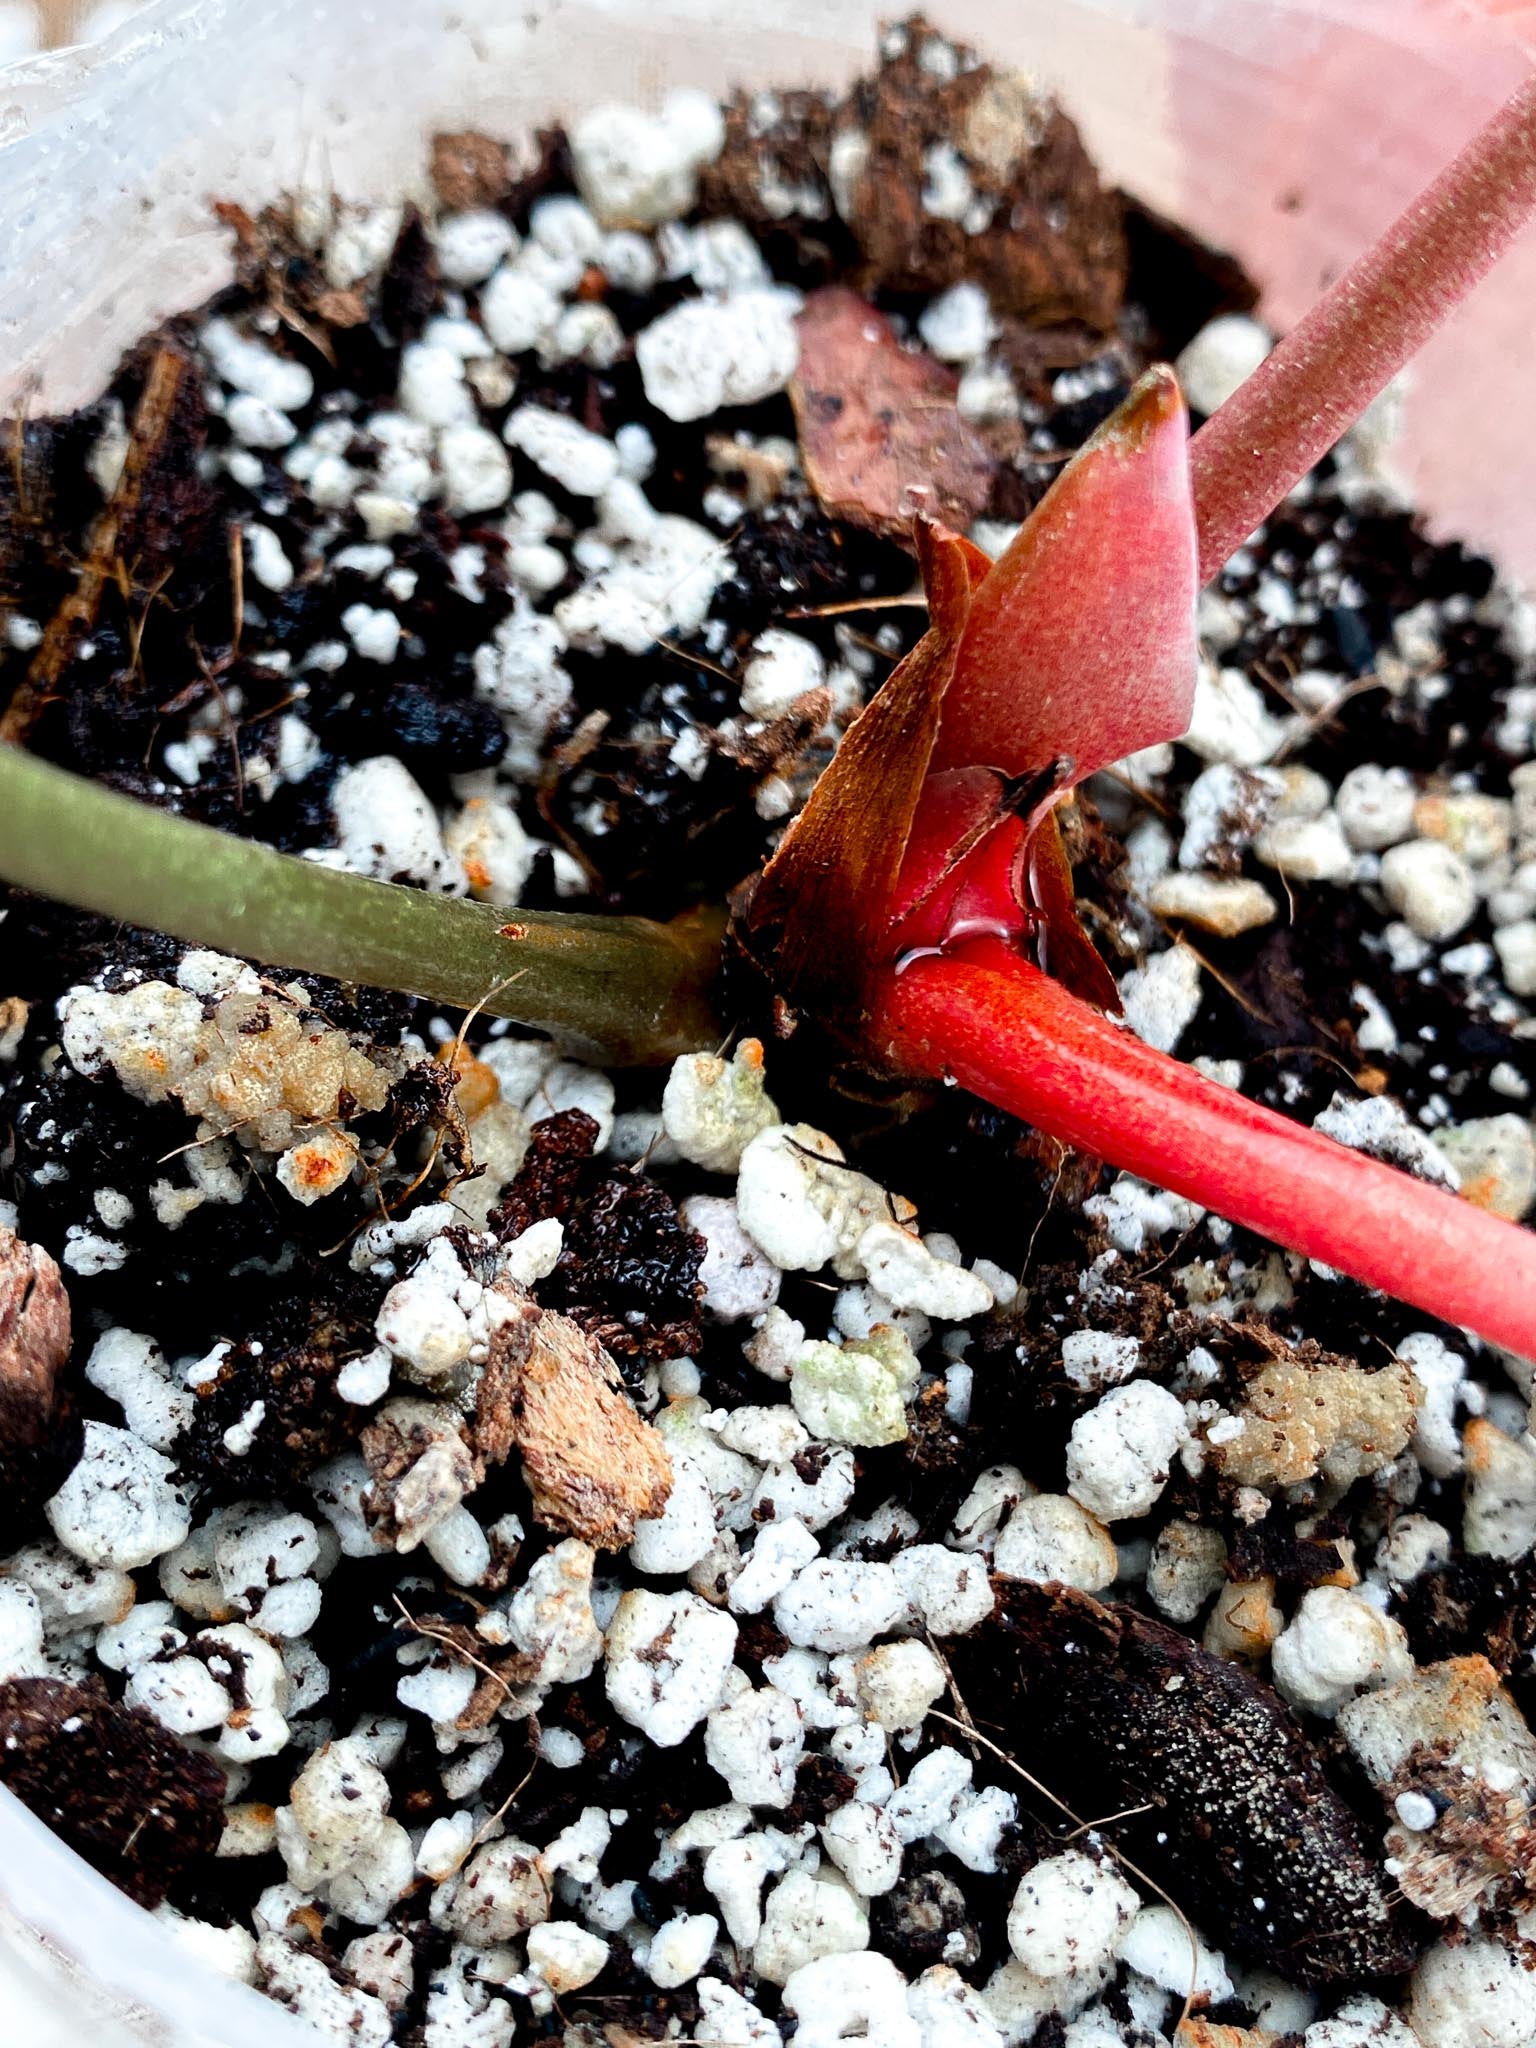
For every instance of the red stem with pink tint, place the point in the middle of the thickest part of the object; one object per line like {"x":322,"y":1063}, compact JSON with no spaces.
{"x":1362,"y":331}
{"x":981,"y":1015}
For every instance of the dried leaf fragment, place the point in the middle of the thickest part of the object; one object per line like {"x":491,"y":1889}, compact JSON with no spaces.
{"x":822,"y":894}
{"x":881,"y":437}
{"x":593,"y":1466}
{"x":1451,"y":1734}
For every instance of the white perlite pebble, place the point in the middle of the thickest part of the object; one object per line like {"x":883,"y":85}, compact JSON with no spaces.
{"x":755,"y":1742}
{"x":958,"y":325}
{"x":1380,"y":1126}
{"x":1230,"y":720}
{"x":738,"y":1279}
{"x":668,"y":1655}
{"x":131,"y":1370}
{"x":780,"y":1550}
{"x":304,"y":1984}
{"x":712,"y":1108}
{"x":1069,"y":1916}
{"x":72,"y":1594}
{"x":636,"y":169}
{"x":732,"y":2020}
{"x":1120,"y":1453}
{"x":659,"y":583}
{"x":581,"y":462}
{"x":1092,"y":1360}
{"x":1477,"y":1995}
{"x":337,"y":1806}
{"x":251,"y":366}
{"x":21,"y":1633}
{"x":865,"y":1847}
{"x":1161,"y":999}
{"x":1306,"y":849}
{"x":903,"y":1269}
{"x":935,"y":1787}
{"x":851,"y":1998}
{"x":119,"y":1507}
{"x":472,"y":243}
{"x":477,"y":472}
{"x":1441,"y":1374}
{"x":182,"y":1695}
{"x":949,"y":1592}
{"x":1336,"y":1645}
{"x":1431,"y":888}
{"x":950,"y":2014}
{"x":781,"y":667}
{"x":709,"y":353}
{"x":1515,"y":944}
{"x":1375,"y":806}
{"x":681,"y":1534}
{"x":1159,"y":1948}
{"x":1361,"y":2023}
{"x":840,"y":1604}
{"x":804,"y":1920}
{"x":1224,"y":354}
{"x":502,"y":1891}
{"x":974,"y":1834}
{"x":386,"y":826}
{"x":565,"y":1955}
{"x":518,"y":310}
{"x":1186,"y":1567}
{"x":898,"y":1683}
{"x":1051,"y":1536}
{"x":680,"y":1948}
{"x":1214,"y":903}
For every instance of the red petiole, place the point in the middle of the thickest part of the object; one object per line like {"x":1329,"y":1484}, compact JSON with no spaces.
{"x":988,"y":1019}
{"x":1362,"y":331}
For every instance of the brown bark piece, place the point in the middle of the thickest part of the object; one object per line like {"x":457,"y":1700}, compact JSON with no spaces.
{"x":139,"y":1805}
{"x":1245,"y":1828}
{"x":469,"y":169}
{"x":1037,"y":228}
{"x":39,"y":1428}
{"x":422,"y":1466}
{"x":880,"y":434}
{"x":593,"y":1467}
{"x":494,"y":1430}
{"x":1041,"y":234}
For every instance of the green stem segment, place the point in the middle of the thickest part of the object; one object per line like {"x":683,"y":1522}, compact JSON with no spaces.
{"x":622,"y":989}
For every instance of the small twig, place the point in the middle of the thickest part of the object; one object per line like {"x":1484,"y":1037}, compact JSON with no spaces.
{"x":76,"y":615}
{"x":521,"y":1786}
{"x":910,"y":600}
{"x":1090,"y":1827}
{"x":454,"y":1648}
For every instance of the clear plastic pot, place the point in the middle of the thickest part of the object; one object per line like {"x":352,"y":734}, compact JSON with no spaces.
{"x":1290,"y":130}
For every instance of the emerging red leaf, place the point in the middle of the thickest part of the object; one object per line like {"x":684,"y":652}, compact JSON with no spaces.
{"x":880,"y":434}
{"x":1082,"y":639}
